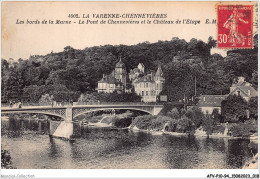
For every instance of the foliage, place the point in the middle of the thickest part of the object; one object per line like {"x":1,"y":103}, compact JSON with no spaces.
{"x":185,"y":125}
{"x":208,"y":124}
{"x":109,"y":97}
{"x":46,"y":99}
{"x":76,"y":72}
{"x":94,"y":119}
{"x":159,"y":122}
{"x":195,"y":115}
{"x":253,"y":107}
{"x":234,"y":108}
{"x":244,"y":129}
{"x":122,"y":122}
{"x":216,"y":116}
{"x":6,"y":162}
{"x":219,"y":128}
{"x":167,"y":107}
{"x":174,"y":113}
{"x":143,"y":122}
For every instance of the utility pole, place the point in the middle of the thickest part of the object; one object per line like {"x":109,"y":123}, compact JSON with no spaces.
{"x":195,"y":86}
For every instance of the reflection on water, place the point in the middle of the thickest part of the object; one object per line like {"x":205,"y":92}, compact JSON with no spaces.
{"x":31,"y":147}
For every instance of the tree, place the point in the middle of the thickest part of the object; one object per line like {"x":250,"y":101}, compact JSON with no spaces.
{"x":234,"y":109}
{"x":208,"y":124}
{"x":46,"y":99}
{"x":185,"y":125}
{"x":254,"y":79}
{"x":253,"y":107}
{"x":174,"y":113}
{"x":33,"y":93}
{"x":215,"y":115}
{"x":195,"y":115}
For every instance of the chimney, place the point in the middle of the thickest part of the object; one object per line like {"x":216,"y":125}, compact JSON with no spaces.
{"x":204,"y":98}
{"x":152,"y":76}
{"x":249,"y":93}
{"x":241,"y":79}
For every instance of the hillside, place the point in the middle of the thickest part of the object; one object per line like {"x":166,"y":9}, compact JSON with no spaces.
{"x":67,"y":74}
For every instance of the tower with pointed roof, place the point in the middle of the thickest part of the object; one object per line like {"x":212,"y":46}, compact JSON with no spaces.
{"x":120,"y":72}
{"x":159,"y":80}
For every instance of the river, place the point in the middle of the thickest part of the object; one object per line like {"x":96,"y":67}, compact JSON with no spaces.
{"x":31,"y":147}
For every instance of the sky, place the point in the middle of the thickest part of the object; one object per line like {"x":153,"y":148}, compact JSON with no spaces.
{"x":23,"y":40}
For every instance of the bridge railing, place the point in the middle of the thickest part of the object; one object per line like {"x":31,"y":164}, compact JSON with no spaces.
{"x":57,"y":104}
{"x":66,"y":104}
{"x":113,"y":103}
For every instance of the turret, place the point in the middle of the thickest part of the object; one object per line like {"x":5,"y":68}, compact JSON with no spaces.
{"x":159,"y":80}
{"x":141,"y":67}
{"x":120,"y":72}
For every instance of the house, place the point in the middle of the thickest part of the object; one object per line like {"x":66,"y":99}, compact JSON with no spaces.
{"x":109,"y":84}
{"x":116,"y":81}
{"x":207,"y":103}
{"x":149,"y":86}
{"x":136,"y":72}
{"x":243,"y":89}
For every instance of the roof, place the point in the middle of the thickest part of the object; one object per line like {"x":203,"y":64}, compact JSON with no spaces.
{"x":110,"y":79}
{"x":135,"y":70}
{"x":141,"y":64}
{"x":245,"y":90}
{"x":244,"y":87}
{"x":211,"y":100}
{"x":120,"y":64}
{"x":241,"y":82}
{"x":159,"y":71}
{"x":146,"y":78}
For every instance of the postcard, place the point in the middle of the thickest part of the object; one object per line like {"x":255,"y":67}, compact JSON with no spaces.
{"x":136,"y":85}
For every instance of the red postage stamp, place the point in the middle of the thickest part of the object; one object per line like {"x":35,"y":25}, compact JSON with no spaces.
{"x":235,"y":26}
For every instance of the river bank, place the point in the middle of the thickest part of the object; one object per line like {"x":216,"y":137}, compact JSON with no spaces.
{"x":156,"y":132}
{"x":6,"y":162}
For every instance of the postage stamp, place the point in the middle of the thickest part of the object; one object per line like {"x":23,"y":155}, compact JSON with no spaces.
{"x":235,"y":26}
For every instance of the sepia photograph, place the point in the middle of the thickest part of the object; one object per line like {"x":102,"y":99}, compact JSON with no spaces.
{"x":129,"y":85}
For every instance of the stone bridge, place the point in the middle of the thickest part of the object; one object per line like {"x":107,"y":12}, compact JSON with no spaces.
{"x":69,"y":112}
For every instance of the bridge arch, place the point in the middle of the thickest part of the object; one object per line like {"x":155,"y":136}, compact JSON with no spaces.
{"x":33,"y":112}
{"x":105,"y":109}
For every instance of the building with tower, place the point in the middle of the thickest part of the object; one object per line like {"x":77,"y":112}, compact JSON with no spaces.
{"x":148,"y":86}
{"x":115,"y":81}
{"x":120,"y":72}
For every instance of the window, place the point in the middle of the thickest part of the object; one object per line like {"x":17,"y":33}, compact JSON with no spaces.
{"x":142,"y":93}
{"x":238,"y":93}
{"x":146,"y":93}
{"x":146,"y":85}
{"x":157,"y":86}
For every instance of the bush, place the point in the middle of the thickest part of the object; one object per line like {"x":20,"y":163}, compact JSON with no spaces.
{"x":219,"y":128}
{"x":216,"y":115}
{"x":159,"y":122}
{"x":109,"y":119}
{"x":122,"y":122}
{"x":244,"y":129}
{"x":174,"y":113}
{"x":185,"y":125}
{"x":208,"y":125}
{"x":95,"y":119}
{"x":173,"y":125}
{"x":234,"y":109}
{"x":143,"y":122}
{"x":195,"y":115}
